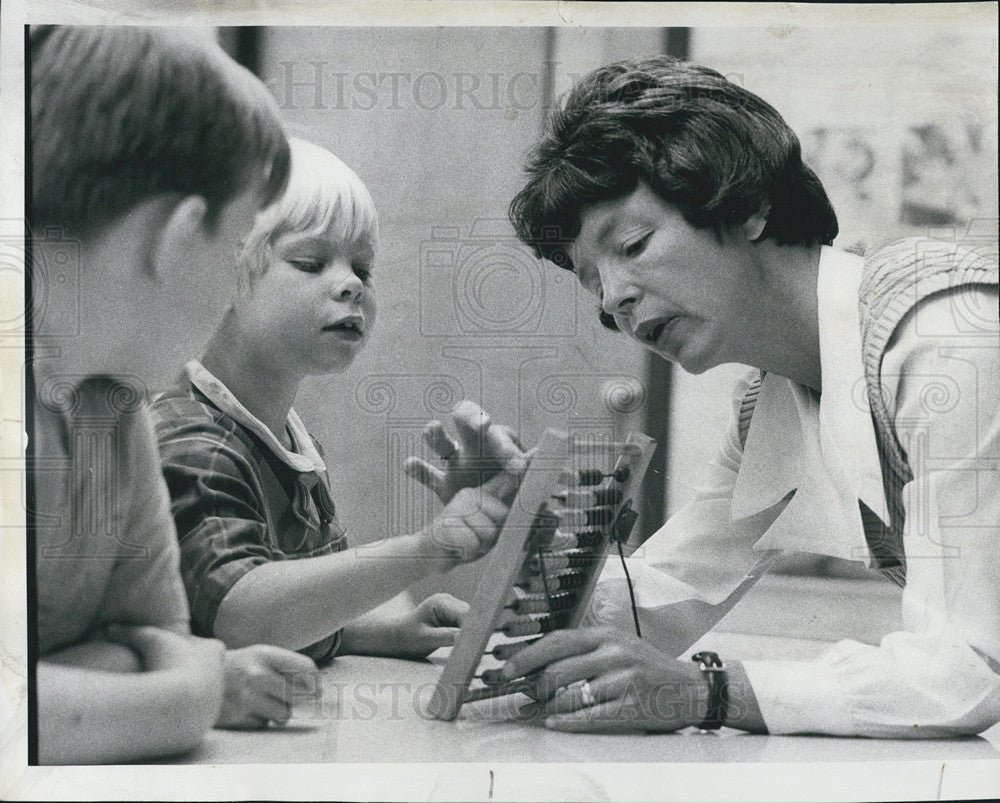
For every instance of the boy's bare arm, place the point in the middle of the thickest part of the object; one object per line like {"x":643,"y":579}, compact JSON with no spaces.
{"x":296,"y":603}
{"x":91,"y":715}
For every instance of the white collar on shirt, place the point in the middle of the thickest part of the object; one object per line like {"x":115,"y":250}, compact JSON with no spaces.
{"x":305,"y":457}
{"x":824,"y":449}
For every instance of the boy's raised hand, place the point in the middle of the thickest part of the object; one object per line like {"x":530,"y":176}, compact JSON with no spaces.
{"x":262,"y":682}
{"x":481,"y":450}
{"x":469,"y":525}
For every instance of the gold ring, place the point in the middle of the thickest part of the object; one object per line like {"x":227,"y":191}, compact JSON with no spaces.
{"x":587,"y":694}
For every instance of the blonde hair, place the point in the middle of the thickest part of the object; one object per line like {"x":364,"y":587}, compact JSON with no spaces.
{"x":323,"y":197}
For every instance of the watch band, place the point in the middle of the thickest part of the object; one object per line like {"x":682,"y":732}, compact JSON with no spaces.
{"x":715,"y":674}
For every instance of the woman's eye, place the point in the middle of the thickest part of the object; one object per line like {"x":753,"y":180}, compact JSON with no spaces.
{"x":362,"y":272}
{"x":635,"y":247}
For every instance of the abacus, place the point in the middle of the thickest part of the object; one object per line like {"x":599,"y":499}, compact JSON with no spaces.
{"x":575,"y":501}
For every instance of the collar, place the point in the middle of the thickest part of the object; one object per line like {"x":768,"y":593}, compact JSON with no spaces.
{"x":822,"y":447}
{"x":305,"y":458}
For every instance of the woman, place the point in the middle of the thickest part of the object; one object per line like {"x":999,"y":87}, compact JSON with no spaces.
{"x":681,"y":201}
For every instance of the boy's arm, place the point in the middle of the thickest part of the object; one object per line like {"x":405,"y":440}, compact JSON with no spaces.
{"x":295,"y":603}
{"x":404,"y":630}
{"x":96,"y":706}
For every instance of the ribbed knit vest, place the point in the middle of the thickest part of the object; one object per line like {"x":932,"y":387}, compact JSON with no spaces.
{"x":894,"y":280}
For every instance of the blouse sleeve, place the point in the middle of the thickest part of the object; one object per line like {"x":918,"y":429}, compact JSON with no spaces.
{"x":698,"y":565}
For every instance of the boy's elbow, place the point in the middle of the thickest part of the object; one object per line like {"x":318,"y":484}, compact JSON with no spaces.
{"x":238,"y":624}
{"x":246,"y":616}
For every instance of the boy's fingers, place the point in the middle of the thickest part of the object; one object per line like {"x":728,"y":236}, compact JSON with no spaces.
{"x":438,"y":441}
{"x":448,"y":610}
{"x":472,"y":424}
{"x":424,"y":473}
{"x":503,"y":447}
{"x":288,"y":662}
{"x":441,"y":637}
{"x":503,"y":485}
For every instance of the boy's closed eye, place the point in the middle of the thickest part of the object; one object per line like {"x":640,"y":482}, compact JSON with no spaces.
{"x":307,"y":265}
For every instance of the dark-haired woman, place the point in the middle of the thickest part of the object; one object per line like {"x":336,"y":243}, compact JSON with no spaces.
{"x":868,"y":430}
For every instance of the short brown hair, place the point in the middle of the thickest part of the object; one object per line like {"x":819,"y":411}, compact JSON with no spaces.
{"x":121,"y":114}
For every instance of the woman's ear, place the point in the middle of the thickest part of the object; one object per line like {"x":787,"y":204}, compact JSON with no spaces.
{"x":754,"y":226}
{"x":184,"y":222}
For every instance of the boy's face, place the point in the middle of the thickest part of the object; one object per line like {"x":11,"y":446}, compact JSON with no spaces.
{"x":314,"y":307}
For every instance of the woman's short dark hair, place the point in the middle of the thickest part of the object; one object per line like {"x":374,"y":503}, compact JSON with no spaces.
{"x":715,"y":151}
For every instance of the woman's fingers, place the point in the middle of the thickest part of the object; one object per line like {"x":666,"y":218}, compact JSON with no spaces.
{"x":615,"y":716}
{"x":588,"y":693}
{"x":554,"y":647}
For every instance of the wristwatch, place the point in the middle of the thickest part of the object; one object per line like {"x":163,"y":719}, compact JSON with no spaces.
{"x":714,"y":672}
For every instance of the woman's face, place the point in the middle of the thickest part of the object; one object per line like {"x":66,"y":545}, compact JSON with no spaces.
{"x":683,"y":292}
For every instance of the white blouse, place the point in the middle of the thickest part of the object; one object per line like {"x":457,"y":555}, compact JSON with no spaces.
{"x":941,"y":375}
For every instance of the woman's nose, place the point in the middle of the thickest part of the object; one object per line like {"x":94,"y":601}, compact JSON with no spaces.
{"x":618,"y":298}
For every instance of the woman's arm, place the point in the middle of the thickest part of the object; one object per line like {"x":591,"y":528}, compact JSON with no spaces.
{"x":152,"y":696}
{"x":696,"y":567}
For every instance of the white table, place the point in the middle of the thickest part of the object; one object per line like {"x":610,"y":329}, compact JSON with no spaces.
{"x":367,"y":737}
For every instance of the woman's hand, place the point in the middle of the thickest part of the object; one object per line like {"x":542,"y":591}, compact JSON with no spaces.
{"x":602,"y":680}
{"x":482,"y":450}
{"x":262,"y":682}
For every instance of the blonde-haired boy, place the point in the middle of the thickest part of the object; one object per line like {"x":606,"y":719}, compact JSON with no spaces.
{"x":264,"y":557}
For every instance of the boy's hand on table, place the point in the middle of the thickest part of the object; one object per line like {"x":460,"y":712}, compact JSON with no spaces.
{"x":469,"y":525}
{"x":630,"y":685}
{"x":431,"y":624}
{"x":262,"y":682}
{"x":482,"y":450}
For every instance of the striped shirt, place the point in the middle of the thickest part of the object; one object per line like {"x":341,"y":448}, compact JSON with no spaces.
{"x":239,"y":498}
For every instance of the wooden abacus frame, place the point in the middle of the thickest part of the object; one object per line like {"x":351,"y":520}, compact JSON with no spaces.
{"x":545,"y":478}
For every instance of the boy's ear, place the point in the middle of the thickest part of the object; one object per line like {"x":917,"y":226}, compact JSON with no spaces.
{"x":754,"y":226}
{"x":183,"y":224}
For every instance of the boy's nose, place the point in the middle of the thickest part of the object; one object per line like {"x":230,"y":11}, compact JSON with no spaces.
{"x":347,"y":286}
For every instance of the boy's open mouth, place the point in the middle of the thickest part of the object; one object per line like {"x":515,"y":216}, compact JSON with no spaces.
{"x":348,"y":326}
